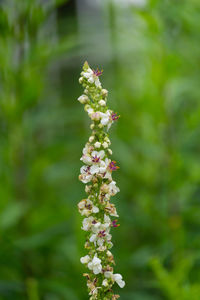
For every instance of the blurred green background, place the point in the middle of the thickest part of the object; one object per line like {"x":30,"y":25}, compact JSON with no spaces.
{"x":150,"y":54}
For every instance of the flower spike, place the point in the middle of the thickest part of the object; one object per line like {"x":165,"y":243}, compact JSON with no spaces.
{"x":96,"y":173}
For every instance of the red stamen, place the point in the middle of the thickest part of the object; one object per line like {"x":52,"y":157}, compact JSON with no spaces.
{"x":114,"y":117}
{"x":112,"y":166}
{"x":95,"y":159}
{"x":114,"y":223}
{"x":102,"y":233}
{"x":97,"y":72}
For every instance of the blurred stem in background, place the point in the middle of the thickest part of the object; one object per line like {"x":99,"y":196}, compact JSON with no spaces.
{"x":28,"y":44}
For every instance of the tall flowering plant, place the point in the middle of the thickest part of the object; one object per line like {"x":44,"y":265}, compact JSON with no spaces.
{"x":96,"y":173}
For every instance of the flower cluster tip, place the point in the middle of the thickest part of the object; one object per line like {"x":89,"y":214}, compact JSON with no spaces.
{"x":96,"y":173}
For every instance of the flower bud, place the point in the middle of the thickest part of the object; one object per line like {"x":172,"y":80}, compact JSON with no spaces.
{"x":83,"y":99}
{"x":105,"y":188}
{"x":86,"y":107}
{"x":97,"y":145}
{"x":81,"y":80}
{"x":102,"y":103}
{"x":107,"y":140}
{"x":85,"y":66}
{"x":95,"y":116}
{"x":110,"y":151}
{"x":87,"y":188}
{"x":87,"y":245}
{"x":104,"y":93}
{"x":91,"y":139}
{"x":86,"y":91}
{"x":105,"y":282}
{"x":105,"y":145}
{"x":109,"y":253}
{"x":85,"y":259}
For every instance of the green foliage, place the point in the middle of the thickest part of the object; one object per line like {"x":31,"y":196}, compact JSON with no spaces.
{"x":175,"y":284}
{"x":153,"y":77}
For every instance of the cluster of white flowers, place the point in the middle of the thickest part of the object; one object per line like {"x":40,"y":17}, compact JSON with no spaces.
{"x":96,"y":173}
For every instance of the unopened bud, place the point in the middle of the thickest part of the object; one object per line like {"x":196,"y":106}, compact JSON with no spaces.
{"x":95,"y":116}
{"x":105,"y":145}
{"x":91,"y":139}
{"x":83,"y":99}
{"x":110,"y":151}
{"x":97,"y":145}
{"x":102,"y":103}
{"x":81,"y":80}
{"x":104,"y":93}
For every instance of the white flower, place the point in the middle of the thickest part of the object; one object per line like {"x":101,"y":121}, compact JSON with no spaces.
{"x":87,"y":223}
{"x":98,"y":162}
{"x":86,"y":159}
{"x":85,"y":176}
{"x":115,"y":277}
{"x":91,"y":77}
{"x":97,"y":82}
{"x":107,"y":221}
{"x":95,"y":169}
{"x":102,"y":248}
{"x":96,"y":226}
{"x":108,"y":274}
{"x":97,"y":145}
{"x":98,"y":154}
{"x":105,"y":118}
{"x":93,"y":292}
{"x":104,"y":165}
{"x":81,"y":204}
{"x":95,"y":239}
{"x":85,"y":259}
{"x":102,"y":103}
{"x":118,"y":279}
{"x":111,"y":209}
{"x":113,"y":189}
{"x":86,"y":207}
{"x":86,"y":149}
{"x":101,"y":232}
{"x":95,"y":265}
{"x":88,"y":74}
{"x":95,"y":209}
{"x":102,"y":168}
